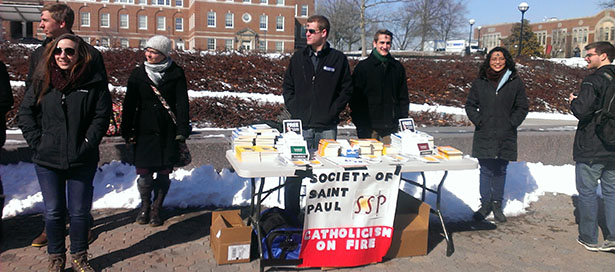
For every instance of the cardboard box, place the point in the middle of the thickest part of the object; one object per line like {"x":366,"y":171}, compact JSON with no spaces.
{"x":410,"y":227}
{"x":229,"y":237}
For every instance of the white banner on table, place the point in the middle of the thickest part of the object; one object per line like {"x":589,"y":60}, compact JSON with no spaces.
{"x":349,"y":217}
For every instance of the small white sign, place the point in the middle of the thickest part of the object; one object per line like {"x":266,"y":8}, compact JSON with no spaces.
{"x":293,"y":125}
{"x":406,"y":124}
{"x":238,"y":252}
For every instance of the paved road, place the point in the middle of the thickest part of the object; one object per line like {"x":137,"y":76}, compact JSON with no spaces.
{"x":541,"y":240}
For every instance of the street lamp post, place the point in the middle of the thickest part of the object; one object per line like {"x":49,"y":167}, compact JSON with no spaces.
{"x":523,"y":7}
{"x":470,"y":37}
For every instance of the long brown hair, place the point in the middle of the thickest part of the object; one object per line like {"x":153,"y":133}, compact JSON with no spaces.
{"x":42,"y":76}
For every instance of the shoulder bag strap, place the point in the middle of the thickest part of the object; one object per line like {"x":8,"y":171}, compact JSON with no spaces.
{"x":164,"y":104}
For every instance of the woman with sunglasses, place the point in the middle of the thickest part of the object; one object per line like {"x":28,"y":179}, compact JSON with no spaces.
{"x":154,"y":122}
{"x":63,"y":116}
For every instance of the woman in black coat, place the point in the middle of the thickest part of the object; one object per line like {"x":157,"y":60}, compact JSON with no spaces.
{"x":63,"y":116}
{"x":150,"y":128}
{"x":496,"y":105}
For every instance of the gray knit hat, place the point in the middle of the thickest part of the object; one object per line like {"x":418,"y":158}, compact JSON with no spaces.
{"x":161,"y":43}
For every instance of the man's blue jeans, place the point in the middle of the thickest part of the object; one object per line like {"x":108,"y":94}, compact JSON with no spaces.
{"x":292,"y":186}
{"x":67,"y":191}
{"x":492,"y":179}
{"x":587,"y":176}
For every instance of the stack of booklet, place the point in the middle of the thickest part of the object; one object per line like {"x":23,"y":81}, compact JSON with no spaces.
{"x":364,"y":146}
{"x":293,"y":146}
{"x":328,"y":148}
{"x":247,"y":154}
{"x":412,"y":143}
{"x":450,"y":152}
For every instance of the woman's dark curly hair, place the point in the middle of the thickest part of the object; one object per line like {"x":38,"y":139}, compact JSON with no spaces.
{"x":510,"y":63}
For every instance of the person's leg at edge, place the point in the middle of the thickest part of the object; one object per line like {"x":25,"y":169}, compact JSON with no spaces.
{"x":498,"y":183}
{"x":586,"y":182}
{"x":162,"y":183}
{"x":80,"y":192}
{"x":607,"y":183}
{"x":53,"y":188}
{"x":485,"y":177}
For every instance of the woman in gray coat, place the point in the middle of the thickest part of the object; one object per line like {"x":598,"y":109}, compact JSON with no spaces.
{"x":496,"y":105}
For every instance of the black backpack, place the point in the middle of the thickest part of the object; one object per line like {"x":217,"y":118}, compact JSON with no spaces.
{"x":281,"y":235}
{"x":605,"y":117}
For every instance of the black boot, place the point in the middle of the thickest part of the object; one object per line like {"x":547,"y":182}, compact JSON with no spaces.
{"x":57,"y":262}
{"x":144,"y":184}
{"x":80,"y":262}
{"x":484,"y":211}
{"x":161,"y":188}
{"x":497,"y":211}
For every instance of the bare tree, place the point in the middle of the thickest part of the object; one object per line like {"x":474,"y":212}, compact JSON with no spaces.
{"x":364,"y":20}
{"x":451,"y":19}
{"x":343,"y":15}
{"x":403,"y":26}
{"x":607,"y":4}
{"x":427,"y":14}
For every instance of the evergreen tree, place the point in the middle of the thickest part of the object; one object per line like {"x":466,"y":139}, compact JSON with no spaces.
{"x":531,"y":46}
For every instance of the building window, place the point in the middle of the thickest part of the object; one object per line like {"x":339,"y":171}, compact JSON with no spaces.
{"x":86,"y":39}
{"x":142,"y":43}
{"x":179,"y":3}
{"x":179,"y":24}
{"x":127,"y":1}
{"x":85,"y":19}
{"x":211,"y":44}
{"x":123,"y":20}
{"x":161,"y":2}
{"x":142,"y":2}
{"x":142,"y":21}
{"x":161,"y":22}
{"x":104,"y":42}
{"x":263,"y":22}
{"x":211,"y":19}
{"x":247,"y":1}
{"x":279,"y":2}
{"x":304,"y":11}
{"x":228,"y":20}
{"x":263,"y":1}
{"x":279,"y":46}
{"x":124,"y":43}
{"x":279,"y":23}
{"x":228,"y":44}
{"x":262,"y":45}
{"x":104,"y":20}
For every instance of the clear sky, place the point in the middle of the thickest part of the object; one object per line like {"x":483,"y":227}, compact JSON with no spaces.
{"x":488,"y":12}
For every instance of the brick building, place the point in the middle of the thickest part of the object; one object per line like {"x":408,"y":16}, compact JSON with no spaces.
{"x":558,"y":37}
{"x":264,"y":25}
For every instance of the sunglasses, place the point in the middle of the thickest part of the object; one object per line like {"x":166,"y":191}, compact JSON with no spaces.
{"x":312,"y":31}
{"x":67,"y":51}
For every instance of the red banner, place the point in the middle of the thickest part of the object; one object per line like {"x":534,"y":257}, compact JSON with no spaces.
{"x":345,"y":246}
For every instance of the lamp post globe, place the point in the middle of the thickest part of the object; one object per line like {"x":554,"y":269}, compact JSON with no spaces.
{"x":523,"y":7}
{"x":471,"y":21}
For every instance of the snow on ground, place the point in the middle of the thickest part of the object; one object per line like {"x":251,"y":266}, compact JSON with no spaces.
{"x":572,"y":62}
{"x":115,"y":187}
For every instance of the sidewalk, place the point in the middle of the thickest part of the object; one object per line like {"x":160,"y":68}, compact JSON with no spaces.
{"x":541,"y":240}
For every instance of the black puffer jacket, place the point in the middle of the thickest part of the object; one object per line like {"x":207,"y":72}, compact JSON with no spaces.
{"x":496,"y":116}
{"x":6,"y":100}
{"x":380,"y":95}
{"x":149,"y":123}
{"x":65,"y":129}
{"x":587,"y":146}
{"x":317,"y":97}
